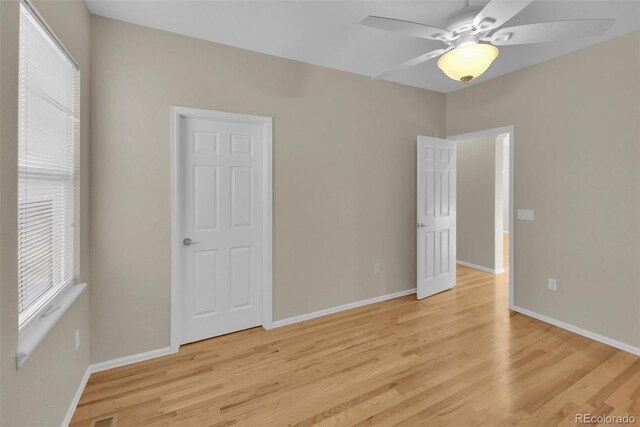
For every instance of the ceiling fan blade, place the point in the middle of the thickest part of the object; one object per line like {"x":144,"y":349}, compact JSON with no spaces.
{"x":407,"y":27}
{"x":412,"y":63}
{"x":550,"y":31}
{"x":498,"y":12}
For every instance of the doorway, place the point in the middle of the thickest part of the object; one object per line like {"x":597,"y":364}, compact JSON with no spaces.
{"x":221,"y":224}
{"x":485,"y":195}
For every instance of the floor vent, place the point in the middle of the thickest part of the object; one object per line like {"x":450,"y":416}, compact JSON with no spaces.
{"x":105,"y":422}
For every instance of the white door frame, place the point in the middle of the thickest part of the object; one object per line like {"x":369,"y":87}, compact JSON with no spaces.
{"x":512,"y":141}
{"x":178,"y":113}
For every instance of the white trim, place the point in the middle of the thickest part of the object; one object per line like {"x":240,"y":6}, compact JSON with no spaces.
{"x":337,"y":309}
{"x":76,"y":397}
{"x":481,"y":268}
{"x":128,"y":360}
{"x":32,"y":334}
{"x":175,"y":238}
{"x":140,"y":357}
{"x":110,"y":364}
{"x":580,"y":331}
{"x":512,"y":149}
{"x":267,"y":238}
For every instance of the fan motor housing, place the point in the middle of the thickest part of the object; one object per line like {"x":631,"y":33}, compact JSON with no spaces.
{"x":461,"y":20}
{"x":466,"y":40}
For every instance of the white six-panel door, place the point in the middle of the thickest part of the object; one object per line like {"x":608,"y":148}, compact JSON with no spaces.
{"x":221,"y":214}
{"x":436,"y":225}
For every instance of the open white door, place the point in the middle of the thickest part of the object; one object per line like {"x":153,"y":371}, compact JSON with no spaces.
{"x":436,"y":225}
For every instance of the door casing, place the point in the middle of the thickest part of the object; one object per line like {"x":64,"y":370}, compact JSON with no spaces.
{"x":177,"y":113}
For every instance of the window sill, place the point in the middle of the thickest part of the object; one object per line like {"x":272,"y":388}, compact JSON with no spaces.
{"x":32,"y":334}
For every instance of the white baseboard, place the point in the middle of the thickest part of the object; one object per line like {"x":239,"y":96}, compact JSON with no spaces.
{"x":128,"y":360}
{"x":76,"y":398}
{"x":110,"y":364}
{"x":575,"y":329}
{"x":135,"y":358}
{"x":337,"y":309}
{"x":479,"y":267}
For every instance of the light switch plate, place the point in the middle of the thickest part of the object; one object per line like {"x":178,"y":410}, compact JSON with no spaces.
{"x":526,"y":214}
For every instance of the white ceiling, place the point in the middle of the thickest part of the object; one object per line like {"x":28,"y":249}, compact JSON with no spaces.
{"x":327,"y":33}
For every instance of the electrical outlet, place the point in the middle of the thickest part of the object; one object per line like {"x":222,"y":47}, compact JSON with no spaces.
{"x":77,"y":339}
{"x":376,"y":268}
{"x":553,"y":284}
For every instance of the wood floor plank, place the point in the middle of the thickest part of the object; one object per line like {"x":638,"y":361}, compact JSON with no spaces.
{"x":459,"y":358}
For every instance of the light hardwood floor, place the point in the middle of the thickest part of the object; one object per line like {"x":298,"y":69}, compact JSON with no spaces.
{"x":460,"y":358}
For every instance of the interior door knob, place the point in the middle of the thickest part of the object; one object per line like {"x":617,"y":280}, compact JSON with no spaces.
{"x":421,"y":225}
{"x":189,"y":242}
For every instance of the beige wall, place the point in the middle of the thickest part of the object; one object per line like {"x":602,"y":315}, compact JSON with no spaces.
{"x":577,"y":150}
{"x":477,"y":202}
{"x":344,"y":175}
{"x":40,"y":393}
{"x":348,"y":144}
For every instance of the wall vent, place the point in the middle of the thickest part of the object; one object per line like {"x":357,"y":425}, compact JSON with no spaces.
{"x":110,"y":421}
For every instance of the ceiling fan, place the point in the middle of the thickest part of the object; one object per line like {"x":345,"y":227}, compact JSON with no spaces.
{"x":472,"y":33}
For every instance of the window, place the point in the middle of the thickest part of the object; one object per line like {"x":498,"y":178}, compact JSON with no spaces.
{"x":47,"y":139}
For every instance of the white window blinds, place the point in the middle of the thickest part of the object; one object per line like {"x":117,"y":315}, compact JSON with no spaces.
{"x":47,"y":141}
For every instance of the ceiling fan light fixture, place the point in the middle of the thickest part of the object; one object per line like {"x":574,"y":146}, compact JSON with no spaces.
{"x":468,"y":62}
